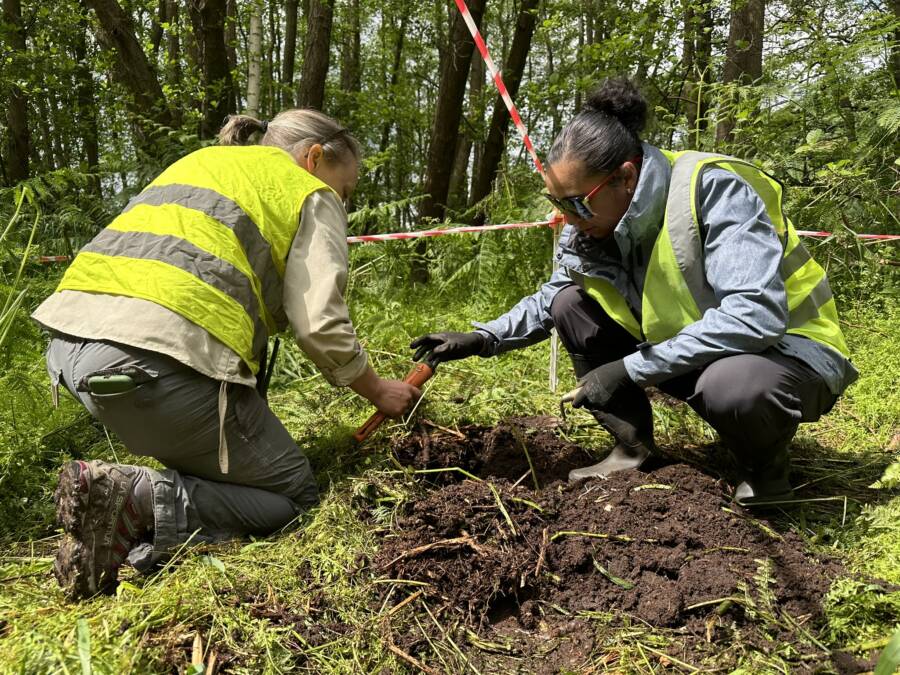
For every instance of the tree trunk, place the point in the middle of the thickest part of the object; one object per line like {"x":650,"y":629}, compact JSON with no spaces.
{"x":231,"y":40}
{"x":254,"y":59}
{"x":350,"y":51}
{"x":156,"y":30}
{"x":895,"y":47}
{"x":512,"y":77}
{"x":290,"y":53}
{"x":743,"y":58}
{"x":208,"y":18}
{"x":18,"y":137}
{"x":173,"y":56}
{"x":458,"y":193}
{"x":445,"y":131}
{"x":316,"y":54}
{"x":133,"y":69}
{"x":87,"y":107}
{"x":395,"y":78}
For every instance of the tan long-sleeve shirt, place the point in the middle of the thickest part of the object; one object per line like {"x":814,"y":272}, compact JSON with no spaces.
{"x":314,"y":283}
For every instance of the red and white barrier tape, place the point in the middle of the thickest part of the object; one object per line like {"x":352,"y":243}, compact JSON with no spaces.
{"x":870,"y":237}
{"x":370,"y":238}
{"x":498,"y":81}
{"x":418,"y":234}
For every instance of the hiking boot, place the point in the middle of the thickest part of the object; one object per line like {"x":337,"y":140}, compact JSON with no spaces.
{"x":629,"y":420}
{"x":105,"y":510}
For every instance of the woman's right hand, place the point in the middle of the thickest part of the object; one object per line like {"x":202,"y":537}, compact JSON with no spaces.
{"x":394,"y":398}
{"x":391,"y":397}
{"x":449,"y":346}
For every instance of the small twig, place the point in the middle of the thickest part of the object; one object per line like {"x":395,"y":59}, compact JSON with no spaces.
{"x":452,"y":432}
{"x":600,"y":535}
{"x":545,"y":540}
{"x":411,"y":660}
{"x":400,"y":605}
{"x":443,"y":543}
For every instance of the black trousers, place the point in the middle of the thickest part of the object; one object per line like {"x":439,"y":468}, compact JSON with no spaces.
{"x":754,"y":401}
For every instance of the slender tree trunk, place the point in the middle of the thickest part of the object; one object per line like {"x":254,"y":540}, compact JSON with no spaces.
{"x":316,"y":54}
{"x":231,"y":40}
{"x":350,"y":50}
{"x":18,"y":136}
{"x":156,"y":30}
{"x":445,"y":131}
{"x":743,"y":58}
{"x":173,"y":56}
{"x":895,"y":47}
{"x":87,"y":107}
{"x":254,"y":59}
{"x":208,"y":18}
{"x":703,"y":69}
{"x":290,"y":53}
{"x":555,"y":110}
{"x":512,"y":76}
{"x":458,"y":195}
{"x":395,"y":78}
{"x":648,"y":38}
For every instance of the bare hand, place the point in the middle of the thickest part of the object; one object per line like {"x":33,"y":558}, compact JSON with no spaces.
{"x":394,"y":398}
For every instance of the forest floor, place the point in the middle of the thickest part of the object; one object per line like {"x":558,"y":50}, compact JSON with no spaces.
{"x":451,"y":542}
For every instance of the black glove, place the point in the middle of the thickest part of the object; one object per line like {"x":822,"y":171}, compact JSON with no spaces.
{"x":449,"y":346}
{"x":599,"y":386}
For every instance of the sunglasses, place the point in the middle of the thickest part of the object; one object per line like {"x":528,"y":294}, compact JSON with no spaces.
{"x":578,"y":205}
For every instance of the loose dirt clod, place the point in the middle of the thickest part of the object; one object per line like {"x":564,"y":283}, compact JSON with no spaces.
{"x":665,"y":547}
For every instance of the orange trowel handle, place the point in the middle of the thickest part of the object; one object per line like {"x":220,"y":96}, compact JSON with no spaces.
{"x":419,"y":375}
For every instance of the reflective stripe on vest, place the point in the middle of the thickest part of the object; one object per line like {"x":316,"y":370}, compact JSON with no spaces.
{"x":209,"y":240}
{"x":232,"y":216}
{"x":676,"y":291}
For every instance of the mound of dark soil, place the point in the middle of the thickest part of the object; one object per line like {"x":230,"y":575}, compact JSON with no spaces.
{"x":664,"y":546}
{"x":502,"y":451}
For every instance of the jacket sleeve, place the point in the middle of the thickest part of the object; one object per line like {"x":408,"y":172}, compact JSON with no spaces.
{"x":314,"y":282}
{"x":742,"y":259}
{"x":528,"y":322}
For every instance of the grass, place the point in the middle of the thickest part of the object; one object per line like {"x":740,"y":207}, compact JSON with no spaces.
{"x":297,"y":600}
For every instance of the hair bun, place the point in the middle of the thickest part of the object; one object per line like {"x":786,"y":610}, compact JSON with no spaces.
{"x":619,"y":98}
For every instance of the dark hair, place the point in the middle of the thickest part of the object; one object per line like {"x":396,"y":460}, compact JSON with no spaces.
{"x":607,"y":131}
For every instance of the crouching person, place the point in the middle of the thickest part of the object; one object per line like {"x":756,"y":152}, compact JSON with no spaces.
{"x":159,"y":328}
{"x":680,"y":271}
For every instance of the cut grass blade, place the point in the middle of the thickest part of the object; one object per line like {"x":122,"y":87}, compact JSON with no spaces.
{"x":84,"y":646}
{"x":618,"y":581}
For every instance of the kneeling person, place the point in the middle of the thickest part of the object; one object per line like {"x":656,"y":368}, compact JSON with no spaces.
{"x":159,"y":328}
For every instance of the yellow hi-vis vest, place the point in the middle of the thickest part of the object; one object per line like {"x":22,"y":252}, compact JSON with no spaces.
{"x":676,"y":292}
{"x":209,"y":240}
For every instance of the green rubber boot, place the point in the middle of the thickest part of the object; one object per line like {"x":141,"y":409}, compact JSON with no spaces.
{"x":629,"y":420}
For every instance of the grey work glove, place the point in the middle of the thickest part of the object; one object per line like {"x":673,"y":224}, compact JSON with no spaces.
{"x":599,"y":386}
{"x":449,"y":346}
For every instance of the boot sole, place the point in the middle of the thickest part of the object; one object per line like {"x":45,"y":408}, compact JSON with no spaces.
{"x":71,"y":501}
{"x":76,"y":566}
{"x":73,"y":569}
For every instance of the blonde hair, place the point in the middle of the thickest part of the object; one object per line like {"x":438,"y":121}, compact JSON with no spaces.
{"x":291,"y":130}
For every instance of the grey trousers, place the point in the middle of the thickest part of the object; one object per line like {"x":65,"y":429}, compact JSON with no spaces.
{"x":754,"y":401}
{"x":174,"y":417}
